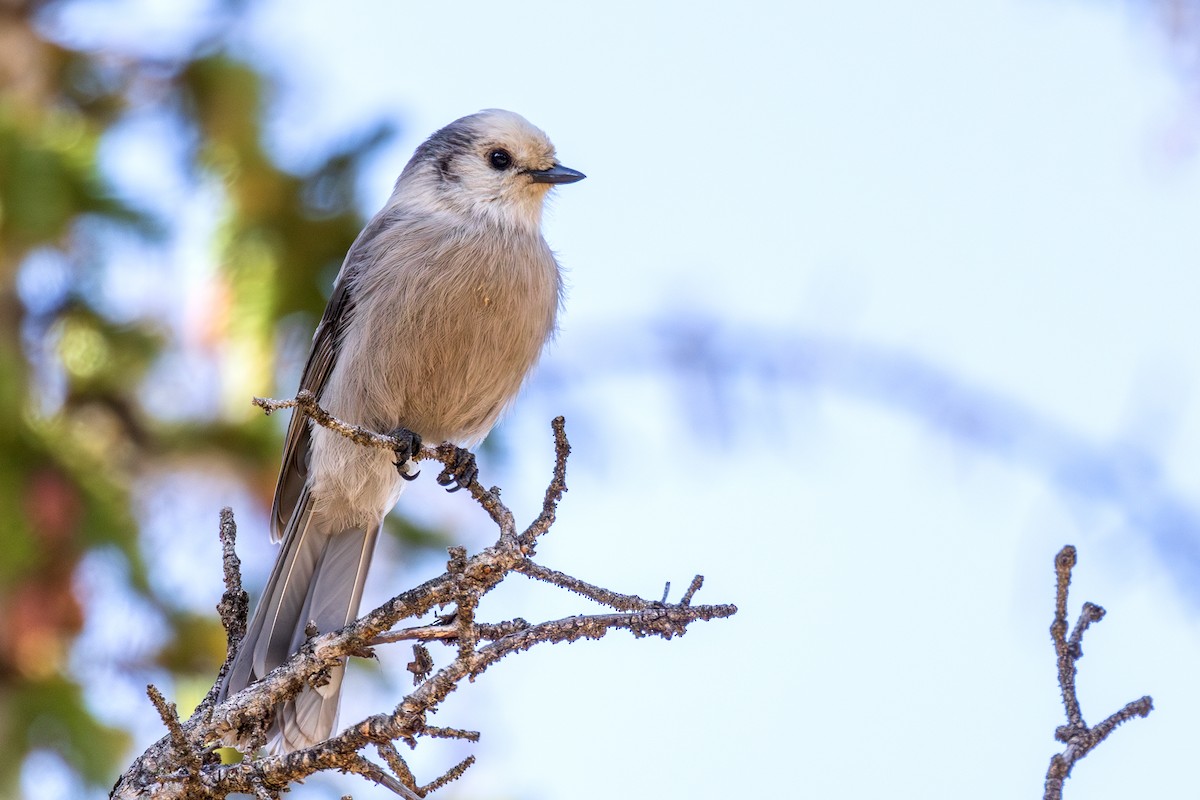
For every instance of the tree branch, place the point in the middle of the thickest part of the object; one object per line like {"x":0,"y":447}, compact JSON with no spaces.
{"x":234,"y":608}
{"x":1076,"y":735}
{"x":182,"y":763}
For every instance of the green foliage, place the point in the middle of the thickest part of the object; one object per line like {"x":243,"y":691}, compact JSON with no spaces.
{"x":48,"y":160}
{"x":76,"y":434}
{"x":49,"y":713}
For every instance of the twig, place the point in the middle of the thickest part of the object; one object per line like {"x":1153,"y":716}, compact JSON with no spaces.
{"x":466,"y":599}
{"x":554,"y":492}
{"x":451,"y":733}
{"x":664,"y":621}
{"x":234,"y":608}
{"x":376,"y":774}
{"x":188,"y":758}
{"x":396,"y":763}
{"x":1064,"y":562}
{"x":483,"y":630}
{"x":605,"y":597}
{"x":306,"y":402}
{"x":452,"y":774}
{"x":420,"y":633}
{"x":1076,"y":735}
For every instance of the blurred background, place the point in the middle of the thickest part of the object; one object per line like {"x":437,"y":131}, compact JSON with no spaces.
{"x":872,"y":308}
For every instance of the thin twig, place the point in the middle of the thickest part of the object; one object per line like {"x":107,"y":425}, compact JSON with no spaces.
{"x":396,"y":763}
{"x":605,"y":597}
{"x":466,"y":598}
{"x":1063,"y":563}
{"x":450,"y":733}
{"x":483,"y":630}
{"x":234,"y":608}
{"x":376,"y":774}
{"x":452,"y":774}
{"x":306,"y":402}
{"x":693,"y":587}
{"x":554,"y":491}
{"x":1076,"y":735}
{"x":419,"y":633}
{"x":187,"y":755}
{"x":664,"y":621}
{"x":234,"y":603}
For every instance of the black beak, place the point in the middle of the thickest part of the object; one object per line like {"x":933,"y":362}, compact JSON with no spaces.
{"x":556,"y":174}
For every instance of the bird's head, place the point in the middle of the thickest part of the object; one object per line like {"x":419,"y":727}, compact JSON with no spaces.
{"x":494,"y":163}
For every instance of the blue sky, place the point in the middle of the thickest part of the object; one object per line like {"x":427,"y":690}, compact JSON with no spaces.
{"x":1003,"y":190}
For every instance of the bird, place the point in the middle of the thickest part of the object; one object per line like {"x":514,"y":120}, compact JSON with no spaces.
{"x":440,"y":310}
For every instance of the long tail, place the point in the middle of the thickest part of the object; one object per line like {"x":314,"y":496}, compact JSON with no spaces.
{"x":318,"y":577}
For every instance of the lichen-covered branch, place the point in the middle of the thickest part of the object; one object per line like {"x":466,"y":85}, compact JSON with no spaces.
{"x":1076,"y":735}
{"x":183,"y":764}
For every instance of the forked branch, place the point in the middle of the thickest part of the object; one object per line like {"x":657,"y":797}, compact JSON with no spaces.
{"x":184,"y":763}
{"x":1076,"y":735}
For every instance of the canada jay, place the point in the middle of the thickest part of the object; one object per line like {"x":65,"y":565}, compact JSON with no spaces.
{"x":440,"y":309}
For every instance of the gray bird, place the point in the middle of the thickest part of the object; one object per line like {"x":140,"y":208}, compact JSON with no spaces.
{"x":439,"y":311}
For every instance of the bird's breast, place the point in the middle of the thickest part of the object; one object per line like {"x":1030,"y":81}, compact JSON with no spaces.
{"x":451,"y":333}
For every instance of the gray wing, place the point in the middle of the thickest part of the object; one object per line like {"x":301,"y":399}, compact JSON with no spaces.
{"x":293,"y":472}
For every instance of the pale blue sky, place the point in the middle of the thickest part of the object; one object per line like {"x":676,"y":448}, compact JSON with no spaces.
{"x":984,"y":187}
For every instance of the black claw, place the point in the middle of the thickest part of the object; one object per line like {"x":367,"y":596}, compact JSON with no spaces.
{"x":461,"y":472}
{"x":408,"y":444}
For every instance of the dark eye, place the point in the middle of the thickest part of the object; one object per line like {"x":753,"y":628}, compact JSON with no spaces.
{"x":500,"y":159}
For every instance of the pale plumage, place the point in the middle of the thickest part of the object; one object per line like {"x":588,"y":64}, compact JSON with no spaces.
{"x":440,"y":309}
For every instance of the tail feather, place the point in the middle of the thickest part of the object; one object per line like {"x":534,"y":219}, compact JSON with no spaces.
{"x":318,"y":577}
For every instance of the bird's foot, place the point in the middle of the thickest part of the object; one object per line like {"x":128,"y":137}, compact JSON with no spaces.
{"x":461,"y":471}
{"x":408,"y":444}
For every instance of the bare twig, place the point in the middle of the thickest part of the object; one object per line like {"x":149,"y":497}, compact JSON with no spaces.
{"x":427,"y":633}
{"x":1076,"y":735}
{"x":451,"y":733}
{"x":233,"y":609}
{"x":188,"y":757}
{"x":373,"y":772}
{"x":452,"y":774}
{"x":396,"y":763}
{"x":420,"y":633}
{"x":306,"y":402}
{"x":605,"y":597}
{"x":468,"y":578}
{"x":466,"y":598}
{"x":554,"y":491}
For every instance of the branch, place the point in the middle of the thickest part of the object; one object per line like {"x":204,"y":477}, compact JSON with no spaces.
{"x":182,"y":764}
{"x":188,"y":757}
{"x":234,"y":607}
{"x":1076,"y":735}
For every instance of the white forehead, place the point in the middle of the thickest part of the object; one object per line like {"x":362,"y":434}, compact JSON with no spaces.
{"x":500,"y":128}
